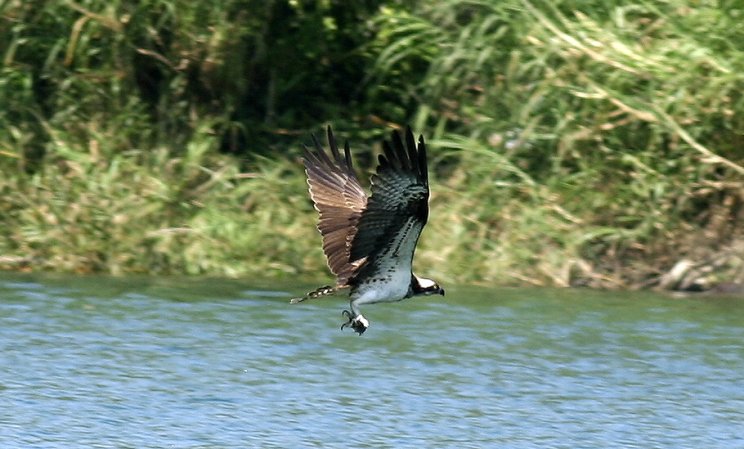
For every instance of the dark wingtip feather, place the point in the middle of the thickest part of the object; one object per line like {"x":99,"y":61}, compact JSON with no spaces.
{"x":318,"y":156}
{"x":412,"y":155}
{"x":422,"y":162}
{"x":403,"y":153}
{"x":308,"y":155}
{"x":387,"y":158}
{"x":347,"y":154}
{"x":399,"y":150}
{"x":332,"y":143}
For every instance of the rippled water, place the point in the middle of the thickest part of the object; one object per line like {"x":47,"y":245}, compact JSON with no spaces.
{"x":147,"y":363}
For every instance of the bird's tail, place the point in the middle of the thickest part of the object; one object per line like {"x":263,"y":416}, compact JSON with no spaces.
{"x":320,"y":292}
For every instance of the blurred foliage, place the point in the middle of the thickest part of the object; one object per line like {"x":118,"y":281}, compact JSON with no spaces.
{"x":165,"y":66}
{"x":573,"y":143}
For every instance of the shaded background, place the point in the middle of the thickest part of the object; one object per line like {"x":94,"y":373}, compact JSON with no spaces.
{"x":573,"y":143}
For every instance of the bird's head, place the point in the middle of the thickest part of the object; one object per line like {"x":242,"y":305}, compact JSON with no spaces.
{"x":426,"y":287}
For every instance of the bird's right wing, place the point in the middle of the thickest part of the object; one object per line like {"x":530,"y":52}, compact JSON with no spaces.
{"x":339,"y":199}
{"x":398,"y":208}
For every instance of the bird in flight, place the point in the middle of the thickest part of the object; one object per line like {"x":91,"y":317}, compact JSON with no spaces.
{"x":369,"y":241}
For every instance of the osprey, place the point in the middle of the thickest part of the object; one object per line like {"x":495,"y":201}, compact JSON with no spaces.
{"x":369,"y":242}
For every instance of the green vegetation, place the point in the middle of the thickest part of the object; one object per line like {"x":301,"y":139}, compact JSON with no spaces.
{"x":573,"y":143}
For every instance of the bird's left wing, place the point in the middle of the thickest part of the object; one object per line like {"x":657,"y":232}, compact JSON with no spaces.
{"x":339,"y":199}
{"x":398,"y":208}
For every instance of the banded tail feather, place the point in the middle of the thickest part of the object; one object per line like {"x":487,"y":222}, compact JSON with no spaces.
{"x":319,"y":292}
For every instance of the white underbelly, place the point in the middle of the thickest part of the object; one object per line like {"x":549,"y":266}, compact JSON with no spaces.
{"x":393,"y":288}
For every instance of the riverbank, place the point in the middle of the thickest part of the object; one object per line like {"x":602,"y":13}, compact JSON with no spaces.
{"x":203,"y":216}
{"x":598,"y":148}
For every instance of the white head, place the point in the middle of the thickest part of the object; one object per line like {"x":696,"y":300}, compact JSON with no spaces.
{"x":423,"y":286}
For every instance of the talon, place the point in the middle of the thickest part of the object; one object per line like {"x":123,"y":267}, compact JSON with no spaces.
{"x":358,"y":322}
{"x":348,"y":323}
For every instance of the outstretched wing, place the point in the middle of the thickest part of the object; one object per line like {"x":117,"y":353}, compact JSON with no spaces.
{"x":398,"y":208}
{"x":339,"y":199}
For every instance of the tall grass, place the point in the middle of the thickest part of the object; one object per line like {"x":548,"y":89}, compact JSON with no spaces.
{"x":581,"y":143}
{"x":573,"y":143}
{"x":151,"y":212}
{"x":134,"y":137}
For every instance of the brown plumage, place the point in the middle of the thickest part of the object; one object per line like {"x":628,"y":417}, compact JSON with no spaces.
{"x":339,"y":199}
{"x":354,"y":227}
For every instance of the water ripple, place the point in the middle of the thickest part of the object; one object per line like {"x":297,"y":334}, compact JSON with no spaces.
{"x":99,"y":362}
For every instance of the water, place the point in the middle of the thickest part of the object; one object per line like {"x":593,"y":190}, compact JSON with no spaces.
{"x":148,"y":363}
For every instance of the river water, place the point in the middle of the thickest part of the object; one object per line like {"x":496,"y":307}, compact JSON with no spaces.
{"x":101,"y":362}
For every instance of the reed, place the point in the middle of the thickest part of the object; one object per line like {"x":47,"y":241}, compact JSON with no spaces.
{"x":593,"y":144}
